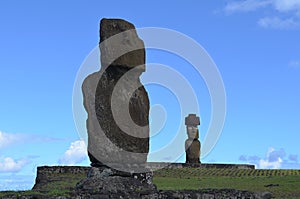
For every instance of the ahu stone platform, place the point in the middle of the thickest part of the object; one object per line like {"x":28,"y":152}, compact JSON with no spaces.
{"x":44,"y":172}
{"x":47,"y":175}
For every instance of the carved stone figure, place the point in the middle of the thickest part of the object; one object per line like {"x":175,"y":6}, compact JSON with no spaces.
{"x":192,"y":144}
{"x":115,"y":100}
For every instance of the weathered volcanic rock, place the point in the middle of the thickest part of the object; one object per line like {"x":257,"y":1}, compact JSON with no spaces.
{"x":120,"y":44}
{"x":192,"y":151}
{"x":116,"y":101}
{"x":107,"y":181}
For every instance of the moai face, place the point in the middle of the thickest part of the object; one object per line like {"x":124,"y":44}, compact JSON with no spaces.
{"x":192,"y":132}
{"x":192,"y":122}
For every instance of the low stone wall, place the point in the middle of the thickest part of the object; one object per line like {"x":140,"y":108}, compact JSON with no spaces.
{"x":156,"y":165}
{"x":47,"y":174}
{"x":43,"y":170}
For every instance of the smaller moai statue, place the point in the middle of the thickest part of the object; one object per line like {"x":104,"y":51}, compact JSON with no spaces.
{"x":192,"y":144}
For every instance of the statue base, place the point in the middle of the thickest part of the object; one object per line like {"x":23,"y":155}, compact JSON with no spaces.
{"x":106,"y":181}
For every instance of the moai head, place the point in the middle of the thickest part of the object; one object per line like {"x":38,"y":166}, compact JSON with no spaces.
{"x":192,"y":122}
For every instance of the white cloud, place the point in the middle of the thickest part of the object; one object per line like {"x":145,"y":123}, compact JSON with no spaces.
{"x":76,"y":153}
{"x":10,"y":165}
{"x":291,"y":8}
{"x":7,"y":139}
{"x":253,"y":5}
{"x":278,"y":23}
{"x":265,"y":164}
{"x":245,"y":6}
{"x":273,"y":160}
{"x":286,"y":5}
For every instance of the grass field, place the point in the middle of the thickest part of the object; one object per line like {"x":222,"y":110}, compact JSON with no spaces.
{"x":281,"y":183}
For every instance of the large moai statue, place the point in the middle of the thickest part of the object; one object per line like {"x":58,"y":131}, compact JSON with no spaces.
{"x":118,"y":109}
{"x":115,"y":100}
{"x":192,"y":144}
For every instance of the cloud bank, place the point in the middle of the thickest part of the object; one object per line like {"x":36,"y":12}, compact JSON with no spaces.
{"x":274,"y":159}
{"x":76,"y":153}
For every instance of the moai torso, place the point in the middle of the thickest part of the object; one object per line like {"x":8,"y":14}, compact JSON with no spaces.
{"x":192,"y":144}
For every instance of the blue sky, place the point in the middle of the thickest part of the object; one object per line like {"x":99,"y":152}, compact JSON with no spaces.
{"x":255,"y":45}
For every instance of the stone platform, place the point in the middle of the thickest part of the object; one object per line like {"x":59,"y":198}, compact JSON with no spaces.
{"x":45,"y":173}
{"x":92,"y":183}
{"x":44,"y":170}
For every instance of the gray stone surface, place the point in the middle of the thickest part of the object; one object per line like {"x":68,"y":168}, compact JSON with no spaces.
{"x":107,"y":182}
{"x":120,"y":44}
{"x":115,"y":100}
{"x":114,"y":185}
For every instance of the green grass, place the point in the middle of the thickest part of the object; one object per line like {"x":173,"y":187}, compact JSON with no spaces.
{"x":60,"y":185}
{"x":200,"y":172}
{"x":251,"y":180}
{"x":65,"y":183}
{"x":19,"y":193}
{"x":55,"y":192}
